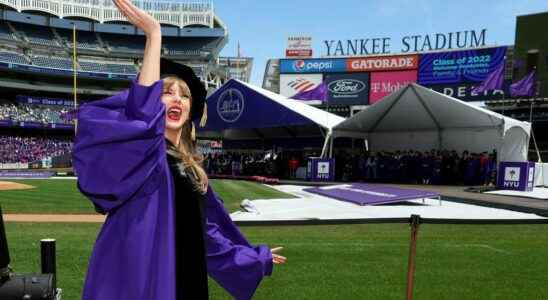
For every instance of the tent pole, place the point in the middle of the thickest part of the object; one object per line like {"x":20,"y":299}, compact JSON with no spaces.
{"x":330,"y":148}
{"x":324,"y":148}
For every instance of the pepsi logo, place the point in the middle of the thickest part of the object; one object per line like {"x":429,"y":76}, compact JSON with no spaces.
{"x":299,"y":65}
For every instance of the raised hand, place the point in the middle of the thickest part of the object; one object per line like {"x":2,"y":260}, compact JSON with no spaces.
{"x":276,"y":258}
{"x":150,"y":70}
{"x":138,"y":17}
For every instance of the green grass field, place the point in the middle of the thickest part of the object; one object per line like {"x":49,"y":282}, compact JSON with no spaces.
{"x":347,"y":261}
{"x":63,"y":197}
{"x":331,"y":262}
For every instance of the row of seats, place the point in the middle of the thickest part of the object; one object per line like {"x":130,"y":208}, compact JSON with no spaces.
{"x":89,"y":40}
{"x":15,"y":58}
{"x":85,"y":40}
{"x":66,"y":63}
{"x":52,"y":62}
{"x":45,"y":114}
{"x":5,"y":32}
{"x":107,"y":67}
{"x":37,"y":35}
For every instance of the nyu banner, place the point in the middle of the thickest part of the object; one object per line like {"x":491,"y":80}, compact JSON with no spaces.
{"x":312,"y":65}
{"x":518,"y":176}
{"x":348,"y":89}
{"x":460,"y":66}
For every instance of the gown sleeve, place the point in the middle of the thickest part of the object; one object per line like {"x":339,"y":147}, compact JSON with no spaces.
{"x":232,"y":261}
{"x":118,"y":144}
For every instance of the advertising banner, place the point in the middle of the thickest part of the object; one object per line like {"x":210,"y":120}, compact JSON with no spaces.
{"x":348,"y":88}
{"x":43,"y":100}
{"x":288,"y":66}
{"x":299,"y":42}
{"x":299,"y":46}
{"x":298,"y":53}
{"x":385,"y":83}
{"x":292,"y":84}
{"x":459,"y":66}
{"x":383,"y":63}
{"x":464,"y":91}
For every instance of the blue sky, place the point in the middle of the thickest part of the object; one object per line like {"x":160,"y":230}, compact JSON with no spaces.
{"x":262,"y":27}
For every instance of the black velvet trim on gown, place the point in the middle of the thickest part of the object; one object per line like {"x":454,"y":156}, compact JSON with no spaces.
{"x":190,"y":254}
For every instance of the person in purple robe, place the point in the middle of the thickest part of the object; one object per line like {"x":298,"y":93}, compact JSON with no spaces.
{"x":136,"y":160}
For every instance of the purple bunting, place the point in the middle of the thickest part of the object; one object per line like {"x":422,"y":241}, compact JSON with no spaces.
{"x":524,"y":87}
{"x":493,"y":81}
{"x":317,"y":93}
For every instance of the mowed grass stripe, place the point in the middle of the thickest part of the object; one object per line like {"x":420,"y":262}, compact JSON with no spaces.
{"x":54,"y":196}
{"x":367,"y":261}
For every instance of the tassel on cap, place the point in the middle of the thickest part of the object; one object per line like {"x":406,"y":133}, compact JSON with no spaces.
{"x":203,"y":120}
{"x":193,"y":132}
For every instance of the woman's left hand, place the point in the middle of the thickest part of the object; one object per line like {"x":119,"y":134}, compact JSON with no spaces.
{"x":276,"y":258}
{"x":138,"y":17}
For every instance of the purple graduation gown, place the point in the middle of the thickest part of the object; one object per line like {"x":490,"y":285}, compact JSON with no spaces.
{"x":119,"y":156}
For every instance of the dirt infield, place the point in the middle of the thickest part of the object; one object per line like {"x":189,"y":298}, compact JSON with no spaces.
{"x":50,"y":218}
{"x":8,"y":185}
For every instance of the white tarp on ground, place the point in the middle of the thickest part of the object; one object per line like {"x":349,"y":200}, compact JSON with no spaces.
{"x":418,"y":118}
{"x":537,"y":193}
{"x":312,"y":206}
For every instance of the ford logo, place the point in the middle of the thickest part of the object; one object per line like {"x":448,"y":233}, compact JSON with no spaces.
{"x":346,"y":86}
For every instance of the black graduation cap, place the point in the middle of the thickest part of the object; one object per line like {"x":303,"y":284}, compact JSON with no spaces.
{"x":197,"y":90}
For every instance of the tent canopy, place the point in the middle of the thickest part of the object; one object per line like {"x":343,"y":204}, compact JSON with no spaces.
{"x":239,"y":110}
{"x":418,"y":118}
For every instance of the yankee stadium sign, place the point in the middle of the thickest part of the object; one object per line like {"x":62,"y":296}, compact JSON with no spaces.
{"x":410,"y":43}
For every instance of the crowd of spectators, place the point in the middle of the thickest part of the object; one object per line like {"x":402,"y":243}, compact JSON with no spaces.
{"x":413,"y":167}
{"x":25,"y":149}
{"x":416,"y":167}
{"x":259,"y":163}
{"x":44,"y":114}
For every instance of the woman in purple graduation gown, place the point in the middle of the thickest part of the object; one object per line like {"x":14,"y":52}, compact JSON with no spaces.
{"x":135,"y":158}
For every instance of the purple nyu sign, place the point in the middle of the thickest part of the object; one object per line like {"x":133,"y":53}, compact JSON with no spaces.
{"x":320,"y":169}
{"x":518,"y":176}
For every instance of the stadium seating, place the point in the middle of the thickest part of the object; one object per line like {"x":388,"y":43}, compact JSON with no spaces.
{"x":190,"y":46}
{"x":116,"y":44}
{"x":11,"y":57}
{"x":5,"y":32}
{"x":31,"y":148}
{"x":44,"y":114}
{"x":52,"y":62}
{"x":37,"y":35}
{"x":107,"y":67}
{"x":86,"y":40}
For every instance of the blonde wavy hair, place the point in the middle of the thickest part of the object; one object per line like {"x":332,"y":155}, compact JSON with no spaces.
{"x":186,"y":151}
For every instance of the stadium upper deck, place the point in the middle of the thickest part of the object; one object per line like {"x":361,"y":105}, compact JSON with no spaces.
{"x":36,"y":36}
